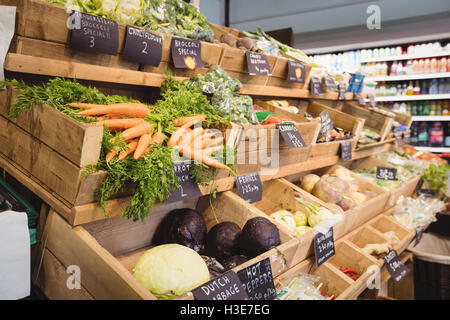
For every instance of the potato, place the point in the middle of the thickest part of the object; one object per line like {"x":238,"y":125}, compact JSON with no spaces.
{"x":308,"y":181}
{"x":327,"y":192}
{"x":347,"y":203}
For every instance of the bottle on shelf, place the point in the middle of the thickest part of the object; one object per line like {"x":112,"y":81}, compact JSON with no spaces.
{"x":414,"y":108}
{"x":443,"y":65}
{"x":424,"y":87}
{"x":398,"y":51}
{"x":420,"y":66}
{"x":402,"y":108}
{"x":442,"y":86}
{"x":438,"y":108}
{"x":393,"y":71}
{"x":408,"y":67}
{"x":404,"y":89}
{"x":427,"y":66}
{"x":436,"y":135}
{"x":416,"y":88}
{"x":433,"y":65}
{"x":410,"y":89}
{"x":445,"y":111}
{"x":419,"y":108}
{"x":422,"y":136}
{"x":414,"y":136}
{"x":415,"y":66}
{"x":447,"y":135}
{"x":433,"y":87}
{"x":432,"y":108}
{"x":408,"y":109}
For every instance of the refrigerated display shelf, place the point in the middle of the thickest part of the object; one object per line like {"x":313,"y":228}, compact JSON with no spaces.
{"x":412,"y":97}
{"x":420,"y":76}
{"x":406,"y":57}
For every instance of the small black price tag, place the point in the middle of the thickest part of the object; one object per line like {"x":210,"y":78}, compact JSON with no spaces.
{"x":93,"y":33}
{"x":188,"y":188}
{"x":330,"y":84}
{"x":295,"y":72}
{"x":419,"y":233}
{"x":315,"y":86}
{"x":257,"y":281}
{"x":360,"y":99}
{"x":186,"y":53}
{"x":257,"y":64}
{"x":394,"y":266}
{"x":226,"y":287}
{"x":427,"y":192}
{"x":249,"y":187}
{"x":324,"y":246}
{"x":398,"y":137}
{"x":142,"y":46}
{"x":387,"y":173}
{"x":291,"y":135}
{"x":342,"y":88}
{"x":326,"y":122}
{"x":346,"y":150}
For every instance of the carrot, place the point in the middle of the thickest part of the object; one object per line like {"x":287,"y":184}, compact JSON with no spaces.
{"x":209,"y":134}
{"x":110,"y":155}
{"x":119,"y":124}
{"x":114,"y":116}
{"x":180,"y":131}
{"x":131,"y":147}
{"x":128,"y":109}
{"x":211,"y":142}
{"x":82,"y":105}
{"x":209,"y":151}
{"x":198,"y":156}
{"x":144,"y":142}
{"x":158,"y":137}
{"x":137,"y":131}
{"x":183,"y":120}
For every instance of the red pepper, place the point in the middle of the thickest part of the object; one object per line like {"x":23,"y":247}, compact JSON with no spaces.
{"x":354,"y":278}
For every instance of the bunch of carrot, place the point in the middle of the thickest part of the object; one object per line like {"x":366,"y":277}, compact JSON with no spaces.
{"x":135,"y":131}
{"x":197,"y":144}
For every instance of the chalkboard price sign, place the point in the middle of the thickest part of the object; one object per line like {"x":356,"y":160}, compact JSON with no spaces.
{"x":326,"y":123}
{"x":142,"y":46}
{"x":315,"y":86}
{"x":324,"y":246}
{"x":295,"y":72}
{"x":330,"y":83}
{"x":257,"y":281}
{"x":346,"y":150}
{"x":394,"y":266}
{"x":188,"y":188}
{"x":257,"y":64}
{"x":93,"y":33}
{"x":360,"y":99}
{"x":342,"y":88}
{"x":387,"y":173}
{"x":249,"y":187}
{"x":226,"y":287}
{"x":186,"y":53}
{"x":291,"y":135}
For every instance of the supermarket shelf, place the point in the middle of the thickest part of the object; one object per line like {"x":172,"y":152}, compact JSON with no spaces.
{"x":413,"y":97}
{"x":431,"y":118}
{"x":411,"y":77}
{"x":406,"y":57}
{"x":433,"y":149}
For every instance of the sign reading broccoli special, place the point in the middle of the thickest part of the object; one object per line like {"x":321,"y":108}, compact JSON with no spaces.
{"x":226,"y":287}
{"x":257,"y":64}
{"x":142,"y":46}
{"x":324,"y":246}
{"x":186,"y":53}
{"x":257,"y":281}
{"x":291,"y":135}
{"x":92,"y":33}
{"x":188,"y":188}
{"x":394,"y":266}
{"x":295,"y":71}
{"x":249,"y":187}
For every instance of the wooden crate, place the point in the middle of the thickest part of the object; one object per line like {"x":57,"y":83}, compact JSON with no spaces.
{"x":106,"y":251}
{"x":375,"y":121}
{"x":234,"y":62}
{"x":340,"y":119}
{"x":39,"y":20}
{"x":279,"y":74}
{"x":55,"y":156}
{"x":405,"y":189}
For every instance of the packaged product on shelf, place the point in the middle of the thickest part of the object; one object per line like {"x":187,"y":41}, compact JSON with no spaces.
{"x":421,"y":211}
{"x":302,"y":287}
